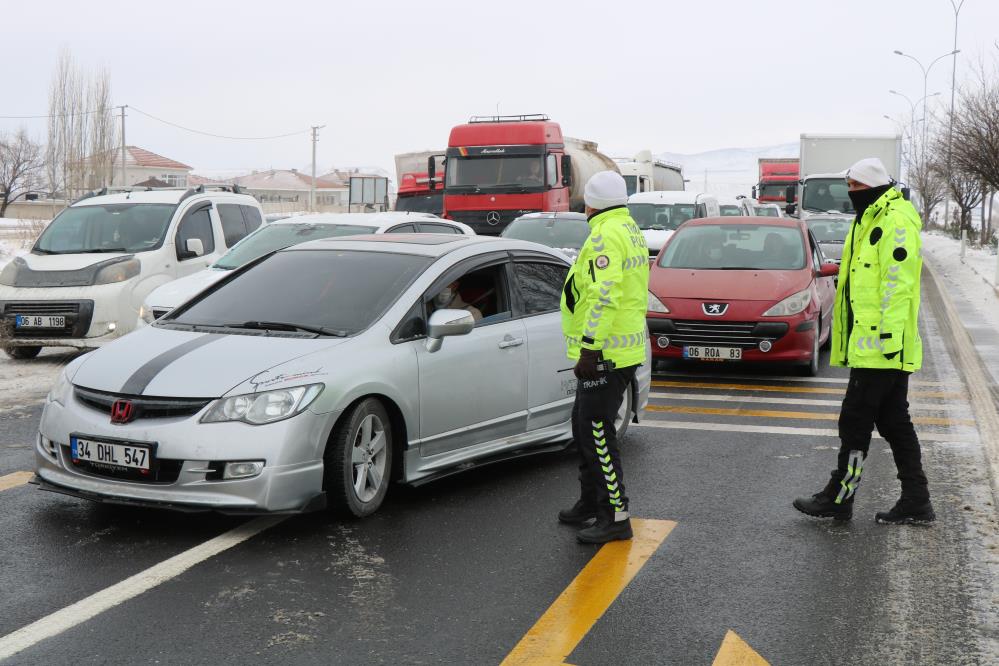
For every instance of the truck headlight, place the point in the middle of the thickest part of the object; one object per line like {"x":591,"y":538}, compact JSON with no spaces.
{"x":791,"y":305}
{"x":119,"y":272}
{"x":655,"y":305}
{"x":263,"y":407}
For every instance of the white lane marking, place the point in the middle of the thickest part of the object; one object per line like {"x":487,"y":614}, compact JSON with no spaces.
{"x":767,"y":378}
{"x":788,"y":430}
{"x":707,"y":397}
{"x":85,"y":609}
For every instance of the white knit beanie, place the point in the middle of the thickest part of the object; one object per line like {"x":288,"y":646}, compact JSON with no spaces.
{"x":605,"y":189}
{"x":869,"y":171}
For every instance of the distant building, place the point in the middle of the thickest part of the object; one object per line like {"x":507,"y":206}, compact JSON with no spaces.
{"x":141,"y":165}
{"x":290,"y":186}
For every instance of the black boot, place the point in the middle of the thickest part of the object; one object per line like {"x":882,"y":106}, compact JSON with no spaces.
{"x":908,"y":512}
{"x":821,"y":505}
{"x":606,"y":529}
{"x":580,"y":513}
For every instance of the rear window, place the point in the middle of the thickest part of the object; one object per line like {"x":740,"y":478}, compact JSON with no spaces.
{"x":735,"y":247}
{"x":553,"y":232}
{"x":279,"y":236}
{"x":343,"y":290}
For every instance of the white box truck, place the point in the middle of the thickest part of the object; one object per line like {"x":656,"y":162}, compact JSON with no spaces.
{"x":824,"y":161}
{"x":643,"y":173}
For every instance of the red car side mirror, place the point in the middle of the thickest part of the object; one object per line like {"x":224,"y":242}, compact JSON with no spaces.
{"x":828,"y":269}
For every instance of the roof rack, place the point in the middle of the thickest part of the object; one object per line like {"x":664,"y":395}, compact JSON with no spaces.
{"x":509,"y":119}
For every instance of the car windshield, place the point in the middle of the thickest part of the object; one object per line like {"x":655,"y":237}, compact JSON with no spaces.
{"x":125,"y":227}
{"x":829,"y":230}
{"x":277,"y":236}
{"x":728,"y":210}
{"x":421,"y":203}
{"x":336,"y":290}
{"x":735,"y":247}
{"x":552,"y":232}
{"x":661,"y":217}
{"x":482,"y":172}
{"x":825,"y":194}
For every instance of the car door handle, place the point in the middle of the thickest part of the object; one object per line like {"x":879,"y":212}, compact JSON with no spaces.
{"x":510,"y":342}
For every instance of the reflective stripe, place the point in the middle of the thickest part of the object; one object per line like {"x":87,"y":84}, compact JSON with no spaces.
{"x":854,"y":466}
{"x":610,"y":475}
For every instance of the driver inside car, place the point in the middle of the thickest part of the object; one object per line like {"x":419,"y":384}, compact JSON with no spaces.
{"x":449,"y":298}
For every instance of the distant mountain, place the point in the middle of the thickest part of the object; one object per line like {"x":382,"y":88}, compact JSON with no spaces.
{"x":727,"y":171}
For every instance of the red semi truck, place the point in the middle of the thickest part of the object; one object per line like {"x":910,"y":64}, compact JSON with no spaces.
{"x":776,"y":173}
{"x":498,"y":168}
{"x":414,"y":194}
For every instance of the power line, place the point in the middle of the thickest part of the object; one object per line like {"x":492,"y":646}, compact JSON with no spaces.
{"x":219,"y":136}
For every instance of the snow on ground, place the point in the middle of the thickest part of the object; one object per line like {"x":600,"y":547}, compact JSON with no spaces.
{"x":974,"y":277}
{"x":24,"y":383}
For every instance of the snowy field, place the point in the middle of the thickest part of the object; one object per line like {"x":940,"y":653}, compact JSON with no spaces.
{"x":975,"y":275}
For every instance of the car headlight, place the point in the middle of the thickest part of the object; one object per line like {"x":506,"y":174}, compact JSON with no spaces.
{"x":791,"y":305}
{"x":655,"y":305}
{"x":8,"y":275}
{"x":146,"y":313}
{"x":263,"y":407}
{"x":61,"y":389}
{"x":123,"y":270}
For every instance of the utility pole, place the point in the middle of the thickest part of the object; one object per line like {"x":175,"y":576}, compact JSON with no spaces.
{"x":950,"y":125}
{"x":124,"y":180}
{"x":312,"y":189}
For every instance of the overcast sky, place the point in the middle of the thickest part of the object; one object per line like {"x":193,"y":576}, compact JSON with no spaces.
{"x":390,"y":77}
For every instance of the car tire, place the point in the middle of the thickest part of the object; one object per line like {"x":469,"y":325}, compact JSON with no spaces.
{"x":22,"y":353}
{"x":358,"y":460}
{"x":624,"y":414}
{"x":811,"y":368}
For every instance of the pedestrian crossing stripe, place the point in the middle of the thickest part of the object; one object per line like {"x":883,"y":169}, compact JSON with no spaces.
{"x":804,"y":416}
{"x":770,"y":388}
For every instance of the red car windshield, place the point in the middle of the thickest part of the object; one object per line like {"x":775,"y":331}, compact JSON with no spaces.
{"x":735,"y":247}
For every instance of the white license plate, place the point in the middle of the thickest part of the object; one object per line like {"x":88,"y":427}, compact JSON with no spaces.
{"x":713,"y":353}
{"x":39,"y":321}
{"x":110,"y":453}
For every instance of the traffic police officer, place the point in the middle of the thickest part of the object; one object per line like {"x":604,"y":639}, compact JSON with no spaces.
{"x":875,"y":333}
{"x":604,"y":301}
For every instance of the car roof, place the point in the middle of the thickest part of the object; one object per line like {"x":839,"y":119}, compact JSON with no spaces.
{"x":563,"y":215}
{"x":164,"y":196}
{"x":754,"y":220}
{"x":666,"y":196}
{"x":429,"y":245}
{"x":378,"y":221}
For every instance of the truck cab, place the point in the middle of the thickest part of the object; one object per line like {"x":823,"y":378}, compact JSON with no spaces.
{"x":659,"y":214}
{"x":414,"y":194}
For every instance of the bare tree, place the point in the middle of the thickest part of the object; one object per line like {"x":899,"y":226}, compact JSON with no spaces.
{"x":975,"y":149}
{"x":927,"y":178}
{"x":966,"y":191}
{"x":21,"y":162}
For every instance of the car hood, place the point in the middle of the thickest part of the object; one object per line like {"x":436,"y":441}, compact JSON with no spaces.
{"x":156,"y":361}
{"x":656,"y":238}
{"x":729,"y":285}
{"x":176,"y":292}
{"x":67,"y":262}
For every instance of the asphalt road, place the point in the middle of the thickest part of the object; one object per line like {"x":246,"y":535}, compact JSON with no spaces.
{"x":459,"y":571}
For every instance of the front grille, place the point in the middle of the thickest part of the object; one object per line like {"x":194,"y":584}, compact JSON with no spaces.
{"x":477,"y":219}
{"x":161,"y":470}
{"x":78,"y":316}
{"x":144,"y":408}
{"x":703,"y":333}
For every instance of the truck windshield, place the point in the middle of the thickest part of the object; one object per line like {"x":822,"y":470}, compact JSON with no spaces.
{"x":826,"y":194}
{"x":125,"y":227}
{"x":632,"y":183}
{"x":775,"y":191}
{"x":278,"y":236}
{"x":491,"y":172}
{"x":661,"y":217}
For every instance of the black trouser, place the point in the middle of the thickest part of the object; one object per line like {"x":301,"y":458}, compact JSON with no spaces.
{"x":876,"y":397}
{"x":601,"y":477}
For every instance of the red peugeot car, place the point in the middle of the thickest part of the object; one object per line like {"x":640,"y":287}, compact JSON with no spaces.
{"x":740,"y":289}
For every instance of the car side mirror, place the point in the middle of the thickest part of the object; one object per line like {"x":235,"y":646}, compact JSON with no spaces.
{"x":444,"y":323}
{"x":431,"y":173}
{"x":754,"y":191}
{"x":828,"y":269}
{"x":906,"y":193}
{"x":194,"y":248}
{"x":789,"y":193}
{"x":567,"y":171}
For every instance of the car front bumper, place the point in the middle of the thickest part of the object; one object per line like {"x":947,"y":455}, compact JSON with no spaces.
{"x":795,"y":345}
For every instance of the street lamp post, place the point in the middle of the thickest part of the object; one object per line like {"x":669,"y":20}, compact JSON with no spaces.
{"x":912,"y":123}
{"x":926,"y":76}
{"x":950,"y":125}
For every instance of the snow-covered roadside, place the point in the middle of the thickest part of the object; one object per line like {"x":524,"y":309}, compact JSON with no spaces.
{"x":24,"y":383}
{"x":974,"y":278}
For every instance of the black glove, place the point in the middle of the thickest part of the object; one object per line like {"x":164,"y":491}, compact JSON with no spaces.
{"x":586,"y":366}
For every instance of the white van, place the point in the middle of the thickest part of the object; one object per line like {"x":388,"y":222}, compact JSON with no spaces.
{"x":84,"y":281}
{"x":658,"y":214}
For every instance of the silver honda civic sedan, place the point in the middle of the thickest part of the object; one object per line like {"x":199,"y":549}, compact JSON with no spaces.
{"x":316,"y":375}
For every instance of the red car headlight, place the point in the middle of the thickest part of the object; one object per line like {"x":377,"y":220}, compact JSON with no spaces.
{"x":791,"y":305}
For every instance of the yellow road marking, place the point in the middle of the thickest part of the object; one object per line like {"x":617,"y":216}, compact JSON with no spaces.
{"x":736,"y":652}
{"x":772,"y":414}
{"x":14,"y":480}
{"x":557,"y":633}
{"x":769,"y":388}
